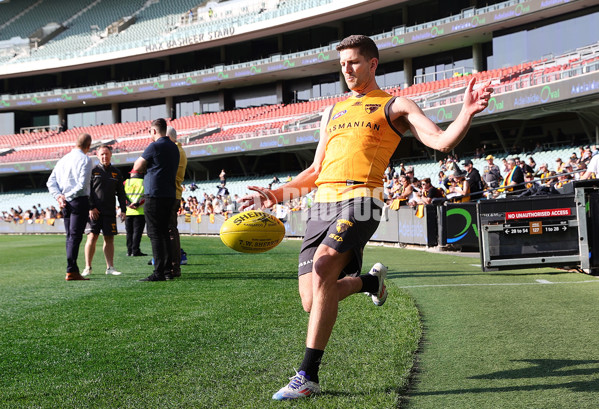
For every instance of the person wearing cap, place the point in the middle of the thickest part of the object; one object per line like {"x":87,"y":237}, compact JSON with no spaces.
{"x":543,"y":171}
{"x":410,"y":173}
{"x":536,"y":188}
{"x":523,"y":165}
{"x":135,"y":221}
{"x":581,"y":169}
{"x":451,"y":164}
{"x":560,"y":166}
{"x":563,"y":179}
{"x":474,"y":180}
{"x":459,"y":190}
{"x":491,"y":173}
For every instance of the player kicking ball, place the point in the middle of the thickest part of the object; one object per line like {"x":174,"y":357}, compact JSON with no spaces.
{"x":357,"y":138}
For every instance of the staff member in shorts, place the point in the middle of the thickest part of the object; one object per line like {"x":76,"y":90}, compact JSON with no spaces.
{"x":357,"y":138}
{"x":106,"y":186}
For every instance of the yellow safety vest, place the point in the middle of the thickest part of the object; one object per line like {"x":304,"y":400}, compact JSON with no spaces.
{"x":134,"y":189}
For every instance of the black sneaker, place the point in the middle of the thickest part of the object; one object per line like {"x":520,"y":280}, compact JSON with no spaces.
{"x":172,"y":275}
{"x":140,"y":254}
{"x":154,"y":277}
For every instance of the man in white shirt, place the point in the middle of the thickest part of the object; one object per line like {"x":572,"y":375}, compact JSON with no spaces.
{"x":69,"y":184}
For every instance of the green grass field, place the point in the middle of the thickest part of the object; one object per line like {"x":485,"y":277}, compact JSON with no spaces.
{"x":231,"y":330}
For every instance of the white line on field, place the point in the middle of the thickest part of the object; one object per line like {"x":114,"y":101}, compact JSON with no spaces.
{"x":496,"y":284}
{"x":544,"y":282}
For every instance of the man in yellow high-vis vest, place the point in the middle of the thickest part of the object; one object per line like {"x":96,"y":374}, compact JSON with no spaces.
{"x":135,"y":221}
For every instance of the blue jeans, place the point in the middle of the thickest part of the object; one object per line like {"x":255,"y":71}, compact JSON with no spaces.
{"x":76,"y":214}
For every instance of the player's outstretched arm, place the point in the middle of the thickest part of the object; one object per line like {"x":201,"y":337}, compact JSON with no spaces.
{"x":301,"y":185}
{"x":427,"y":132}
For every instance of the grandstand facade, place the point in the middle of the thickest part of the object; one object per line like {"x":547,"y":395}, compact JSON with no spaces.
{"x":244,"y":82}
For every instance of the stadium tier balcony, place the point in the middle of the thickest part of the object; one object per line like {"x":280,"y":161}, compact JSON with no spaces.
{"x":266,"y":119}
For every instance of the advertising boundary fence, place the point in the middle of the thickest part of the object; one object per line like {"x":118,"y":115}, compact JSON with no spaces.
{"x":399,"y":227}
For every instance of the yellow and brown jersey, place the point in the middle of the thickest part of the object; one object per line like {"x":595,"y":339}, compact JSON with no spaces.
{"x":361,"y":140}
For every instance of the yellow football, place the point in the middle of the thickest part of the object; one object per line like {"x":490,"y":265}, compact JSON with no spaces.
{"x":252,"y":231}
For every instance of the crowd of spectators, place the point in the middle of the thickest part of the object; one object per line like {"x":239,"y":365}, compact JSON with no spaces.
{"x":513,"y":176}
{"x":225,"y":204}
{"x":457,"y":181}
{"x":37,"y":214}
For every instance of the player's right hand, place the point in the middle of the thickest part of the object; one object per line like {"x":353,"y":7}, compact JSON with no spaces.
{"x":62,"y":201}
{"x":263,"y":198}
{"x":94,"y":214}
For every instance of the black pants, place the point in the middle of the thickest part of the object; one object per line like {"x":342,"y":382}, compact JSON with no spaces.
{"x":174,"y":250}
{"x":76,"y":214}
{"x":135,"y":228}
{"x":158,"y":212}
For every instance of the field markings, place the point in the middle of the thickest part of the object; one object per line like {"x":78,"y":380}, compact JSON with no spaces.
{"x":538,"y":282}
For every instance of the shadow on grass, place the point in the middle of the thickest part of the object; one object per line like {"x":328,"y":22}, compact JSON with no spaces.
{"x":538,"y":368}
{"x":541,"y":368}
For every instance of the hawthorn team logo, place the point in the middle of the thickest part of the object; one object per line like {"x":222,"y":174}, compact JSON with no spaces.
{"x":343,"y":225}
{"x":371,"y":108}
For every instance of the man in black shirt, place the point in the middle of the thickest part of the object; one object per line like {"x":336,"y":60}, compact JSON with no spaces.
{"x":429,"y":192}
{"x":474,"y":180}
{"x":106,"y":183}
{"x":159,"y":161}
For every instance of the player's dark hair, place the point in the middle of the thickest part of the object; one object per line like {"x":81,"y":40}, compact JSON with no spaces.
{"x":160,"y":125}
{"x":365,"y":46}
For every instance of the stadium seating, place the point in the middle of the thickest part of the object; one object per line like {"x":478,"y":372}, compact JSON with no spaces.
{"x":37,"y":17}
{"x":79,"y":36}
{"x":254,"y":121}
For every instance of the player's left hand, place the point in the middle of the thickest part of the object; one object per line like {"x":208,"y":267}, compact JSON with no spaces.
{"x":263,"y":198}
{"x":123,"y":216}
{"x":476,"y":101}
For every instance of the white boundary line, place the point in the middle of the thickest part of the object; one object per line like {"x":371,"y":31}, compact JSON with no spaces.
{"x":498,"y":284}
